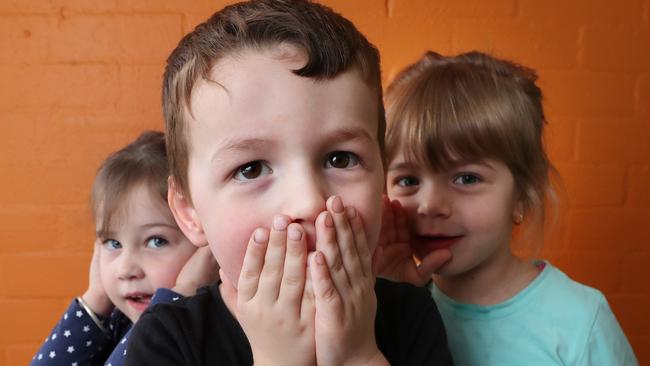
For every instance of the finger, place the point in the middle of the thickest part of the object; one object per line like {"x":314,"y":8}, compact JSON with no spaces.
{"x":295,"y":264}
{"x":401,"y":223}
{"x":387,"y":221}
{"x":361,"y":241}
{"x":271,"y":278}
{"x":378,"y":261}
{"x":432,"y":262}
{"x":345,"y":237}
{"x":327,"y":244}
{"x":327,"y":299}
{"x":307,"y":306}
{"x":383,"y":233}
{"x":252,"y":266}
{"x":228,"y":292}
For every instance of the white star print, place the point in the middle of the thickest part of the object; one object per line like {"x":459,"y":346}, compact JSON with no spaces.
{"x":123,"y":340}
{"x":88,"y":343}
{"x":74,"y":364}
{"x":40,"y":356}
{"x":124,"y":352}
{"x":54,"y":336}
{"x":52,"y":354}
{"x":70,"y":349}
{"x":67,"y":333}
{"x":65,"y":316}
{"x":110,"y":364}
{"x":175,"y":298}
{"x":86,"y":329}
{"x":79,"y":314}
{"x":110,"y":326}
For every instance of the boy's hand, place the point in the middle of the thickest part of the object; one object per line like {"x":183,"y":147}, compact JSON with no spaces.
{"x":95,"y":296}
{"x":393,"y":258}
{"x":200,"y":270}
{"x":343,"y":284}
{"x":272,"y":308}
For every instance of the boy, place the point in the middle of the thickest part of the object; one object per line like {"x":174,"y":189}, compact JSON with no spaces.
{"x":273,"y":112}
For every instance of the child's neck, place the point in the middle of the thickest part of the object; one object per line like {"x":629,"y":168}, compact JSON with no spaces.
{"x":495,"y":281}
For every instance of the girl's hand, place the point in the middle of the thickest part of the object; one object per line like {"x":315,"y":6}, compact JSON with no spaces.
{"x":95,"y":296}
{"x":272,"y":307}
{"x":343,"y":284}
{"x":393,"y":258}
{"x":200,"y":270}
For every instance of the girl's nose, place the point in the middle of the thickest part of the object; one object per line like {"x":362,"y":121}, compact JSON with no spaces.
{"x":128,"y":267}
{"x":434,"y":202}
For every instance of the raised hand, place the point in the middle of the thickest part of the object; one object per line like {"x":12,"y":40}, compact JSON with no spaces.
{"x":393,"y":258}
{"x":200,"y":270}
{"x":343,"y":285}
{"x":271,"y":307}
{"x":95,"y":296}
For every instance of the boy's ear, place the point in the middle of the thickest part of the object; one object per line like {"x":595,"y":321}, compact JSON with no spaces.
{"x":185,"y":214}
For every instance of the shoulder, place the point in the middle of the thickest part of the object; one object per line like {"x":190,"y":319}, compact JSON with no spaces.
{"x":391,"y":294}
{"x":561,"y":287}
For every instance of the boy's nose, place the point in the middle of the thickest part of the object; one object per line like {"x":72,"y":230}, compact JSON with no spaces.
{"x":305,"y":198}
{"x":434,"y":202}
{"x":128,"y":267}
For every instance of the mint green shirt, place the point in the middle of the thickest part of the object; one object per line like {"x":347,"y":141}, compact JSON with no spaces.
{"x":553,"y":321}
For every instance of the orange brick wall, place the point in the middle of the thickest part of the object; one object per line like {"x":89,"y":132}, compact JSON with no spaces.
{"x":81,"y":78}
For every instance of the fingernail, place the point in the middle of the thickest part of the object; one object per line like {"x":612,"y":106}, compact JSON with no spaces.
{"x":319,"y":258}
{"x":293,"y":233}
{"x":350,"y":212}
{"x":280,"y":223}
{"x":337,"y":204}
{"x":260,"y":236}
{"x":328,"y":220}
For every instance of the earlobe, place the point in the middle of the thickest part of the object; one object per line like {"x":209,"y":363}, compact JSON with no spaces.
{"x":185,"y":214}
{"x":518,"y":213}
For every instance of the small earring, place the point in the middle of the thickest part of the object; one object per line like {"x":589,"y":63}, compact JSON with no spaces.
{"x":518,"y":219}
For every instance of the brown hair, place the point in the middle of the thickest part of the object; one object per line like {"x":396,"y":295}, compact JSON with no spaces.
{"x":143,"y":161}
{"x":443,"y":110}
{"x":332,"y":45}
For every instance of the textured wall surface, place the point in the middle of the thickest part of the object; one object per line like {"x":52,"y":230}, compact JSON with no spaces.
{"x":81,"y":78}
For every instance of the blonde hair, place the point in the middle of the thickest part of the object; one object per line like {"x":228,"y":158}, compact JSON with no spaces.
{"x":442,"y":110}
{"x":143,"y":161}
{"x":332,"y":45}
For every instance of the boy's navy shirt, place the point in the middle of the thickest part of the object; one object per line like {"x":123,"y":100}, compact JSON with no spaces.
{"x":200,"y":330}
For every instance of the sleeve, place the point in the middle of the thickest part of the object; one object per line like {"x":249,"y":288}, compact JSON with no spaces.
{"x":156,"y":340}
{"x":424,"y":333}
{"x":162,"y":296}
{"x":607,"y":344}
{"x":75,"y":340}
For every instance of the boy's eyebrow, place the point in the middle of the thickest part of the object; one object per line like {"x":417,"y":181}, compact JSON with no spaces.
{"x":347,"y":134}
{"x":235,"y":145}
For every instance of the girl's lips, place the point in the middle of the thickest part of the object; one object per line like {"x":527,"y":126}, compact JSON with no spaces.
{"x":431,"y":243}
{"x":140,"y":303}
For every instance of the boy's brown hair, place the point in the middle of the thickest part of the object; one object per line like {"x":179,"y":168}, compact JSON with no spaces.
{"x":331,"y":43}
{"x":445,"y":110}
{"x":143,"y":161}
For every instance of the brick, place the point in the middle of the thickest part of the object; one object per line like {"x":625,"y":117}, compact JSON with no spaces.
{"x":593,"y":184}
{"x":73,"y":86}
{"x":25,"y":38}
{"x":48,"y":274}
{"x":603,"y":140}
{"x":29,"y":320}
{"x":140,"y":92}
{"x":148,"y":6}
{"x":641,"y":347}
{"x":588,"y":94}
{"x":77,"y":228}
{"x":442,"y":9}
{"x":634,"y":273}
{"x":638,"y":149}
{"x":615,"y":46}
{"x":20,"y":354}
{"x":642,"y":105}
{"x":638,"y":187}
{"x":598,"y":270}
{"x":560,"y":139}
{"x":609,"y":230}
{"x":581,"y":11}
{"x":28,"y":229}
{"x":632,"y":313}
{"x":549,"y":44}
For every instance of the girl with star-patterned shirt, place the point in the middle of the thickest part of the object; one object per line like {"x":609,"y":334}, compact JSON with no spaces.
{"x":139,"y":251}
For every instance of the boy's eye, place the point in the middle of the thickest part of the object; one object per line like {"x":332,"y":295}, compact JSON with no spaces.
{"x":341,"y":160}
{"x":112,"y":244}
{"x":465,"y":179}
{"x":252,"y":170}
{"x":156,"y":242}
{"x":408,"y":181}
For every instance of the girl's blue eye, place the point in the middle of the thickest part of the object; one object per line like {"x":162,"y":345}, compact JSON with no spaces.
{"x":252,"y":170}
{"x":341,"y":160}
{"x":465,"y":179}
{"x":156,"y":242}
{"x":112,"y":244}
{"x":408,"y":181}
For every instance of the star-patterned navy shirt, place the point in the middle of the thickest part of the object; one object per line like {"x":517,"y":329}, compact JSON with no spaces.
{"x":76,"y":340}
